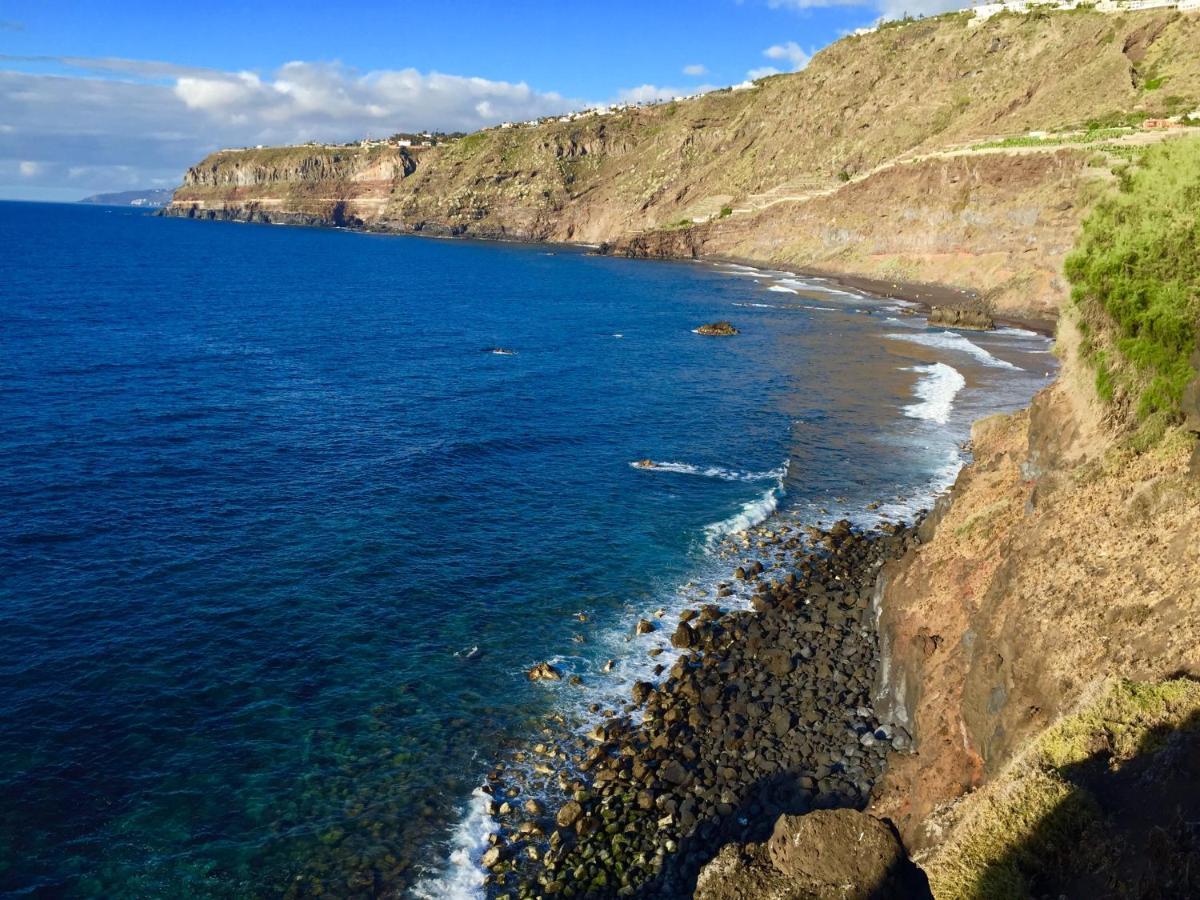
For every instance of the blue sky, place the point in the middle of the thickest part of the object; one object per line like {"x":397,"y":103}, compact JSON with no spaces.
{"x":118,"y":95}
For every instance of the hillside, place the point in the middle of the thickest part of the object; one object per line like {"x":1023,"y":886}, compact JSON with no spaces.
{"x":149,"y":198}
{"x":794,"y":170}
{"x":1038,"y":634}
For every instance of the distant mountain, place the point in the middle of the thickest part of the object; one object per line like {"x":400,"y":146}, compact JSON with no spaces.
{"x":153,"y":198}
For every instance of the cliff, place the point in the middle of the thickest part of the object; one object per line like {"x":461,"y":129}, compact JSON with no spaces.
{"x":308,"y":185}
{"x":872,"y":161}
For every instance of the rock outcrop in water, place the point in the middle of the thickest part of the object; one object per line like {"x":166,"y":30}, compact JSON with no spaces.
{"x":718,"y":329}
{"x":861,"y":164}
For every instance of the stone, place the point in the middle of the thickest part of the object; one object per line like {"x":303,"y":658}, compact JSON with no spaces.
{"x":568,"y":814}
{"x":645,"y":626}
{"x":544,"y":672}
{"x":684,"y":637}
{"x":718,"y":329}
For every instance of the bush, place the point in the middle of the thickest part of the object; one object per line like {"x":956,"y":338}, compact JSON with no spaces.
{"x":1135,"y":277}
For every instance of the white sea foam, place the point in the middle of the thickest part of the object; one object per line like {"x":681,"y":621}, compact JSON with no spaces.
{"x":782,"y":289}
{"x":949,"y":340}
{"x":680,"y":468}
{"x":1017,"y":332}
{"x":751,"y":513}
{"x":462,"y":878}
{"x":938,"y":386}
{"x":758,"y":305}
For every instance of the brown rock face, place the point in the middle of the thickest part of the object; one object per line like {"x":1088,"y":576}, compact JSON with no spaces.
{"x":961,"y":317}
{"x":1047,"y":573}
{"x":828,"y":853}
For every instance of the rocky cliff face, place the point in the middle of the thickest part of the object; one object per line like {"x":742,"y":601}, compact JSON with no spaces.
{"x":854,"y":165}
{"x":303,"y":185}
{"x":1058,"y":560}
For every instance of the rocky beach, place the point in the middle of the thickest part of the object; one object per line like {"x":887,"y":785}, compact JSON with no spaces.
{"x":765,"y":712}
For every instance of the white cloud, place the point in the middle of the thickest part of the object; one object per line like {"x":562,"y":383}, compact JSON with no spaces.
{"x":791,"y":52}
{"x":648,"y":93}
{"x":128,"y":123}
{"x":887,"y":9}
{"x":216,"y":94}
{"x":695,"y":70}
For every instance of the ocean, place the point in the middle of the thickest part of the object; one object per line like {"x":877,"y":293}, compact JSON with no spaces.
{"x":281,"y":530}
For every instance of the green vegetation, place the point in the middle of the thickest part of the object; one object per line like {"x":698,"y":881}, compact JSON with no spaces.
{"x":1135,"y":277}
{"x":1038,"y":823}
{"x":726,"y":212}
{"x":1091,"y":136}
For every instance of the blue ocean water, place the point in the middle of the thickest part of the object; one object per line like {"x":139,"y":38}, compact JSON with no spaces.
{"x":263,"y":489}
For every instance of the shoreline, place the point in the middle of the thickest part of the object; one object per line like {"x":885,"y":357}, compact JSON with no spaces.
{"x":925,"y":295}
{"x":766,"y":711}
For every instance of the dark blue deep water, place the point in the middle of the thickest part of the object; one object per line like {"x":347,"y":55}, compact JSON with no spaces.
{"x":259,"y":485}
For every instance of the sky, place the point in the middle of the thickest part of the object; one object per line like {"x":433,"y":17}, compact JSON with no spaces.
{"x":125,"y":94}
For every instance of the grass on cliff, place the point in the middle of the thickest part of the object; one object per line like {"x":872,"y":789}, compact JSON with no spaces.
{"x":1041,"y":823}
{"x":1135,"y":277}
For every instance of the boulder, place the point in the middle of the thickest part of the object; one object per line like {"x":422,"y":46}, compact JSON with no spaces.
{"x":544,"y":672}
{"x":829,"y":849}
{"x":976,"y":318}
{"x":717,"y":329}
{"x":683,"y":638}
{"x":838,"y":853}
{"x":568,"y":814}
{"x":642,"y":691}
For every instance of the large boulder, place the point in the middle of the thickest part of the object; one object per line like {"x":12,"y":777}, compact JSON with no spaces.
{"x":834,"y":853}
{"x":718,"y":329}
{"x":974,"y":317}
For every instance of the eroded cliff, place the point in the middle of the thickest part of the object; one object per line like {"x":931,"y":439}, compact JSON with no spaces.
{"x":868,"y":161}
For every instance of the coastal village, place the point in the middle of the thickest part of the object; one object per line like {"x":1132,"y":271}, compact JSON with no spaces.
{"x":979,"y":13}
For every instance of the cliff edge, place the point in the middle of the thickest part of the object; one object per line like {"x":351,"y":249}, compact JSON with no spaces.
{"x":904,"y":154}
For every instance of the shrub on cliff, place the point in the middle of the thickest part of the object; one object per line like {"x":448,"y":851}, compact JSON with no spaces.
{"x":1135,"y":277}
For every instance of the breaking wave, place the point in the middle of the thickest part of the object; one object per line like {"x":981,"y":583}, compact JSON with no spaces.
{"x":938,"y":386}
{"x":752,"y":513}
{"x":463,"y":876}
{"x":713,"y":471}
{"x":949,"y":340}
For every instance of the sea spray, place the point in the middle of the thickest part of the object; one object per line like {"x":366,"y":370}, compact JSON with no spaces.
{"x":949,"y":340}
{"x":752,"y":513}
{"x":462,"y":878}
{"x":718,"y":472}
{"x":938,"y":386}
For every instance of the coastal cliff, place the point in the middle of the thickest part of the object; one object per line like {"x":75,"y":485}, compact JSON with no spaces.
{"x":881,"y":158}
{"x":307,"y":185}
{"x":1034,"y":641}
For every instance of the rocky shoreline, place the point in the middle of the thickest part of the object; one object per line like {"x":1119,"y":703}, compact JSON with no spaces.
{"x":765,"y":713}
